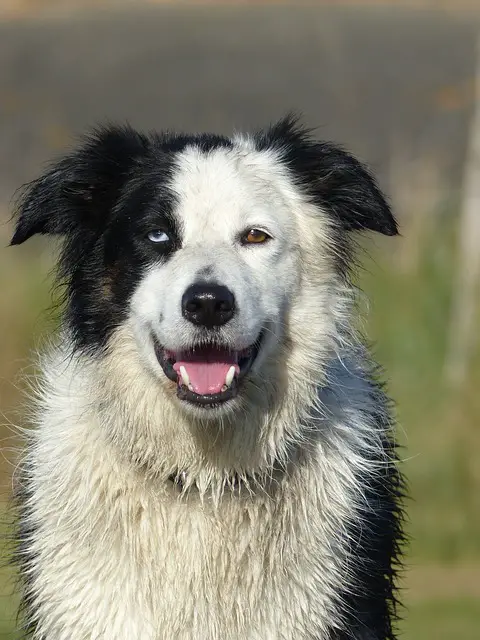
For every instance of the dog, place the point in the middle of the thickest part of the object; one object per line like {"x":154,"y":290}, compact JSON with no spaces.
{"x":213,"y":454}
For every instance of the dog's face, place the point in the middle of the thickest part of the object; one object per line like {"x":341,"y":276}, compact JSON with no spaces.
{"x":212,"y":300}
{"x":196,"y":244}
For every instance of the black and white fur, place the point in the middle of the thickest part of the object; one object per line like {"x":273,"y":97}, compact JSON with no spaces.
{"x":147,"y":515}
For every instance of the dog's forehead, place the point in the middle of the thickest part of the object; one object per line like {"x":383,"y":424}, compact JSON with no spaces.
{"x":228,"y":188}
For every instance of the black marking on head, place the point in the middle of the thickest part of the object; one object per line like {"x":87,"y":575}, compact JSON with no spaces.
{"x":103,"y":199}
{"x":334,"y":180}
{"x":177,"y":142}
{"x":80,"y":190}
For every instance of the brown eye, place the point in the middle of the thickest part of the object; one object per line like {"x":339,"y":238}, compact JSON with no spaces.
{"x":255,"y":236}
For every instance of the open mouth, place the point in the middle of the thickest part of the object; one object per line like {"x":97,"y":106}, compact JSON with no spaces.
{"x":207,"y":375}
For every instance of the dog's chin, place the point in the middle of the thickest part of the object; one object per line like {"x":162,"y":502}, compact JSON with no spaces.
{"x":208,"y":376}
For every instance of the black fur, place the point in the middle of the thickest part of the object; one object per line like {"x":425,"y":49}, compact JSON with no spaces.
{"x":371,"y":610}
{"x":103,"y":199}
{"x":335,"y":180}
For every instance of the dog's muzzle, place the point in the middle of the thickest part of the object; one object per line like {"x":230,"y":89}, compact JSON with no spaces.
{"x":207,"y":374}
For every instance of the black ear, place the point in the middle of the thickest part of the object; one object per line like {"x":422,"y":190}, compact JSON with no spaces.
{"x":81,"y":189}
{"x":334,"y":179}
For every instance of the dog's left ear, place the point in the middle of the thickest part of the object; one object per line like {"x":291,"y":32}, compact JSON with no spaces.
{"x":77,"y":194}
{"x":334,"y":180}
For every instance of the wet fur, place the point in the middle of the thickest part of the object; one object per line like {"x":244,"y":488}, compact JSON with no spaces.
{"x":287,"y":523}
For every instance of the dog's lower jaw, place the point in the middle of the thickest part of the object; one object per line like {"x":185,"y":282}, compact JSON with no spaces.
{"x":158,"y":432}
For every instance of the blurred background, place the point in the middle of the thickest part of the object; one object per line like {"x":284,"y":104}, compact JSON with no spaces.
{"x":398,"y":83}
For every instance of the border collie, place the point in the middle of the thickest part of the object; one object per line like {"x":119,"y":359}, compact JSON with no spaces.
{"x":212,"y":456}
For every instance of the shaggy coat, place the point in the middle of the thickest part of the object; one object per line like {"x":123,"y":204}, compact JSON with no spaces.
{"x":151,"y":511}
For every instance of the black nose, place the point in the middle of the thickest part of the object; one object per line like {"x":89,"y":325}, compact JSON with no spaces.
{"x":209,"y":305}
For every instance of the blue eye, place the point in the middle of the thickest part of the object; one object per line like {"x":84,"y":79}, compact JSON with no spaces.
{"x":158,"y":236}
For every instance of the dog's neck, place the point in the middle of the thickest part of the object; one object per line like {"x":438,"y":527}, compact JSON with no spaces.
{"x":233,"y":482}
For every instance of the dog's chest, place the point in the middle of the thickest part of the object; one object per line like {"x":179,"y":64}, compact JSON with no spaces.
{"x":245,"y":570}
{"x":224,"y":572}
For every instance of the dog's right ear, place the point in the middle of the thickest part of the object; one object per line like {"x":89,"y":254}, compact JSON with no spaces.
{"x":79,"y":191}
{"x":331,"y":177}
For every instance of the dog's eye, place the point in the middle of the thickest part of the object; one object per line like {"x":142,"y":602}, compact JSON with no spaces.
{"x":158,"y":236}
{"x":255,"y":236}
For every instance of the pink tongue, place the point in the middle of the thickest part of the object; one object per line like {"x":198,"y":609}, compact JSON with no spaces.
{"x":206,"y":377}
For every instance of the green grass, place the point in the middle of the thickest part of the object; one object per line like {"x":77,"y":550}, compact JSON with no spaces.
{"x":440,"y":430}
{"x":409,"y":316}
{"x":453,"y":619}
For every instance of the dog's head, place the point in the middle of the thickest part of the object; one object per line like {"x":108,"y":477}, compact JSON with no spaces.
{"x":209,"y":249}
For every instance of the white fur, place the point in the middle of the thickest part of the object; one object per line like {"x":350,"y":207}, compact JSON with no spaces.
{"x":220,"y":196}
{"x":121,"y":553}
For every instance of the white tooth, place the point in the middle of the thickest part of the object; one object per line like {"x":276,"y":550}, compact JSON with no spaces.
{"x":184,"y":375}
{"x":190,"y":386}
{"x":229,"y":377}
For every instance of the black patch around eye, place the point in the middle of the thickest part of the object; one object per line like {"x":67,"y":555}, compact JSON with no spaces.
{"x":162,"y":219}
{"x":103,"y":286}
{"x":103,"y":199}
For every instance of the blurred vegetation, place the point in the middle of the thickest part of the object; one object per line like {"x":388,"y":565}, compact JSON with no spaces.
{"x":408,"y":316}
